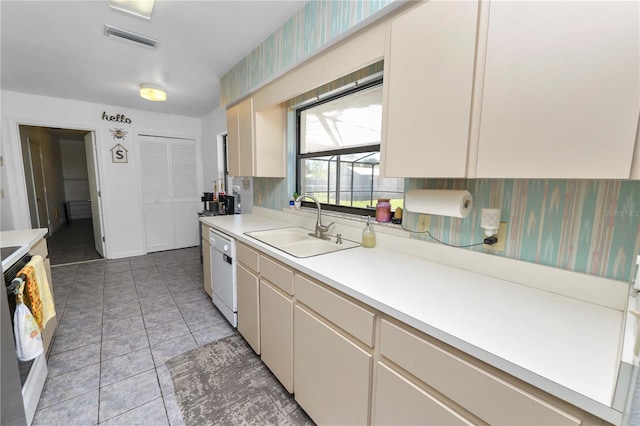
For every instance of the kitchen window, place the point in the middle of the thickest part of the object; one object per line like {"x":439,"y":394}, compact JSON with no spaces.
{"x":338,"y":151}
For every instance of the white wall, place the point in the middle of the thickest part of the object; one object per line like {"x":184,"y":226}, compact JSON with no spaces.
{"x":213,"y":124}
{"x":121,"y":205}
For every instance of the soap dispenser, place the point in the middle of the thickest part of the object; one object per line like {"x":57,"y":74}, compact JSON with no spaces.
{"x":368,"y":235}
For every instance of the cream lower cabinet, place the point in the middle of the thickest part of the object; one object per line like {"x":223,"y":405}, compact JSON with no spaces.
{"x":332,"y":375}
{"x":348,"y":364}
{"x":332,"y":355}
{"x":276,"y":319}
{"x":248,"y":295}
{"x":276,"y":333}
{"x":481,"y":393}
{"x":206,"y":260}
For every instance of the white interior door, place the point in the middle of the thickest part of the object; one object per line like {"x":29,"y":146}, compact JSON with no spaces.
{"x":39,"y":185}
{"x":94,"y":192}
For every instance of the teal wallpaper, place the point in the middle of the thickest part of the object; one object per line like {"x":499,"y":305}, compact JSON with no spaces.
{"x":590,"y":226}
{"x":317,"y":23}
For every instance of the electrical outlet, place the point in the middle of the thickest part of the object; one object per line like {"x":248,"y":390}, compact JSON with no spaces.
{"x":502,"y":238}
{"x":424,"y":223}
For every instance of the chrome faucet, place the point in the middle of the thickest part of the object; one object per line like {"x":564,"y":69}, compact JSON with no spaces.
{"x":320,"y":228}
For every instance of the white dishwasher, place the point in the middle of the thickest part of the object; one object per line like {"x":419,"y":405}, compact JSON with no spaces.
{"x":223,"y":275}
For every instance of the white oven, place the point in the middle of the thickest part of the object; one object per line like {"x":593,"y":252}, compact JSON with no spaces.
{"x":22,"y":381}
{"x":223,"y":275}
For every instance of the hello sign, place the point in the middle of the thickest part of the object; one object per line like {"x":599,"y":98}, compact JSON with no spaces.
{"x":119,"y":118}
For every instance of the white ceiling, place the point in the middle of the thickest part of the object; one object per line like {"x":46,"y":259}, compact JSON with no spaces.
{"x":58,"y":49}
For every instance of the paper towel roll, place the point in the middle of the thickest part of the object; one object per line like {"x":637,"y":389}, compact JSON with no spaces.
{"x":441,"y":202}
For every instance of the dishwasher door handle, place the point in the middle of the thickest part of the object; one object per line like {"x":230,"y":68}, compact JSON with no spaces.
{"x":227,"y":259}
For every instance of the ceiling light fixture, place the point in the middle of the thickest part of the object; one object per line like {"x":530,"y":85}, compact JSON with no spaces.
{"x":153,"y":93}
{"x":139,"y":8}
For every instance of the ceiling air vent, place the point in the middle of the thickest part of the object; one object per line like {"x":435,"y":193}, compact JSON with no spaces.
{"x":130,"y":37}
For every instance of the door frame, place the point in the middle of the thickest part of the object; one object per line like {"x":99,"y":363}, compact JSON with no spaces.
{"x":13,"y":150}
{"x":38,"y":206}
{"x":95,"y":190}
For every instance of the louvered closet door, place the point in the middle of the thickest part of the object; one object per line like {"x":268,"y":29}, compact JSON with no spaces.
{"x":184,"y":191}
{"x":169,"y":191}
{"x":156,"y":193}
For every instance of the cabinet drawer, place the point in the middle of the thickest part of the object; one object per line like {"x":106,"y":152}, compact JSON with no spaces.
{"x":345,"y":314}
{"x":277,"y":274}
{"x":247,"y":256}
{"x":483,"y":394}
{"x":400,"y":402}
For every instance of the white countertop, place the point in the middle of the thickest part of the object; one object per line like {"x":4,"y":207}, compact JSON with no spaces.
{"x":562,"y":345}
{"x":25,"y":239}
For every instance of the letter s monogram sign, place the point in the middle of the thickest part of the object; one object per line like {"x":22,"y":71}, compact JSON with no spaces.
{"x":119,"y":154}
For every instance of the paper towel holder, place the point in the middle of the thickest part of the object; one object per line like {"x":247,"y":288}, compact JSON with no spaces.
{"x":440,"y":202}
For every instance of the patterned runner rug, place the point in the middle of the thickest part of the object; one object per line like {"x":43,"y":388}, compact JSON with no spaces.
{"x":226,"y":383}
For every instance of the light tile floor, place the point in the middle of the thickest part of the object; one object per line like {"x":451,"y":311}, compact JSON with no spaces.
{"x":73,"y":242}
{"x":119,"y":321}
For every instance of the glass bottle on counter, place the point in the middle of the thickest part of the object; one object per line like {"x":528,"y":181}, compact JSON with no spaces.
{"x":368,"y":235}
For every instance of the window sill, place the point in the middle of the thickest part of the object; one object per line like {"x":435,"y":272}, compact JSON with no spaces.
{"x":349,"y":220}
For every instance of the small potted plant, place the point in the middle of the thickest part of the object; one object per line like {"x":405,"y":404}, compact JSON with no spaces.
{"x":296,"y":203}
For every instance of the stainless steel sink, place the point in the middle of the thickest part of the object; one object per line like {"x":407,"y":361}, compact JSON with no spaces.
{"x":297,"y":241}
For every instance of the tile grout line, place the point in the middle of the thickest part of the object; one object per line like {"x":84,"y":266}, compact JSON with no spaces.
{"x":104,"y":277}
{"x":155,"y":368}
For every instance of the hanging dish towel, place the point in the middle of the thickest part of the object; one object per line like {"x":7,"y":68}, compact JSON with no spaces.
{"x":38,"y":294}
{"x":32,"y":293}
{"x":27,"y":333}
{"x":48,"y":308}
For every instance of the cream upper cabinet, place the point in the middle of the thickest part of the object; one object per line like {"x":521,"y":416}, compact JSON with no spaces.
{"x":561,"y":90}
{"x":428,"y":83}
{"x":233,"y":143}
{"x":255,"y":140}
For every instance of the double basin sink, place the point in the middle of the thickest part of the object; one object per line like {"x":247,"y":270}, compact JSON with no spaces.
{"x":297,"y":241}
